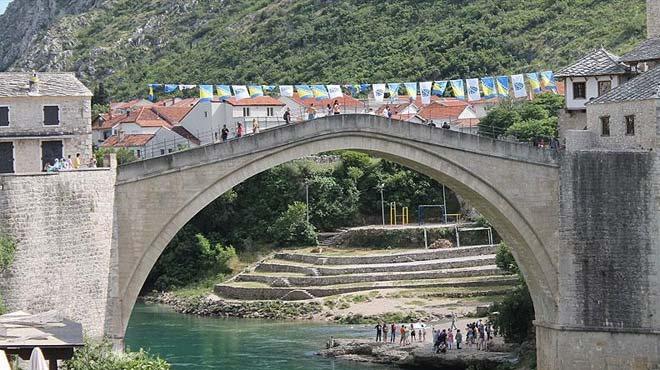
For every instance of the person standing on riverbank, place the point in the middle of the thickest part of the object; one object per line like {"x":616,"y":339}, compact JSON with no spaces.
{"x":384,"y":332}
{"x":379,"y":333}
{"x":450,"y":339}
{"x":402,"y":332}
{"x":459,"y":338}
{"x":393,"y":333}
{"x":412,"y":333}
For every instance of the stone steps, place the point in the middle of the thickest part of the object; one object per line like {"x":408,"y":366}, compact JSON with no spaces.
{"x":379,"y":258}
{"x":441,"y":288}
{"x":426,"y":265}
{"x":455,"y":272}
{"x":301,"y":281}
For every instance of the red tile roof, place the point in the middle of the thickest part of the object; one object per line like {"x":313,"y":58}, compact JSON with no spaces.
{"x":345,"y":101}
{"x":256,"y":101}
{"x":130,"y":140}
{"x":130,"y":104}
{"x":438,"y":110}
{"x":172,"y":114}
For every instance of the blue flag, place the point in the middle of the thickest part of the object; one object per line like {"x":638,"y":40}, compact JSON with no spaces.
{"x":170,"y":88}
{"x":439,"y":88}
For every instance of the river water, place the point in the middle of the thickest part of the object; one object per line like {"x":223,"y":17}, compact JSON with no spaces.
{"x":190,"y":342}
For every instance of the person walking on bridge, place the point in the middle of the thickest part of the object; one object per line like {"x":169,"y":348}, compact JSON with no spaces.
{"x":335,"y":107}
{"x":311,"y":112}
{"x":287,"y":116}
{"x":224,"y":133}
{"x":255,"y":126}
{"x":239,"y":129}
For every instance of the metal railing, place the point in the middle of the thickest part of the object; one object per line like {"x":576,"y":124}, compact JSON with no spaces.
{"x":179,"y":143}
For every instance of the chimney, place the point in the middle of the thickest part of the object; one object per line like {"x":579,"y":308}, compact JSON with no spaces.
{"x":34,"y":84}
{"x":120,"y":133}
{"x":652,"y":18}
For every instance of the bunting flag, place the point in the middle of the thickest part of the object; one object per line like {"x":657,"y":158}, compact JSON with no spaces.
{"x":473,"y":93}
{"x":268,"y":88}
{"x":320,"y":92}
{"x":519,"y":90}
{"x":186,"y":87}
{"x":155,"y":86}
{"x":393,"y":89}
{"x":379,"y":92}
{"x":411,"y":89}
{"x":534,"y":83}
{"x":502,"y":86}
{"x":335,"y":91}
{"x":286,"y":90}
{"x":439,"y":88}
{"x":458,"y":89}
{"x":488,"y":87}
{"x":205,"y":92}
{"x":255,"y":91}
{"x":353,"y":89}
{"x":304,"y":92}
{"x":223,"y":91}
{"x":364,"y":88}
{"x":425,"y":89}
{"x":548,"y":82}
{"x":170,"y":88}
{"x":151,"y":95}
{"x":240,"y":92}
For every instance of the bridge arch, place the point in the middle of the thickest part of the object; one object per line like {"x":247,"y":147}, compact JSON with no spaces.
{"x":515,"y":186}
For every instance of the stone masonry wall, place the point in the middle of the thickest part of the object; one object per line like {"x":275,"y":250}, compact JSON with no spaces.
{"x":62,"y":224}
{"x":652,"y":18}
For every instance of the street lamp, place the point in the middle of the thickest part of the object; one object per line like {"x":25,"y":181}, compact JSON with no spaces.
{"x":382,"y":202}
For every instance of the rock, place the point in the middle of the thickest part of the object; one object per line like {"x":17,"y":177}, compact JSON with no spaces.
{"x":441,"y":243}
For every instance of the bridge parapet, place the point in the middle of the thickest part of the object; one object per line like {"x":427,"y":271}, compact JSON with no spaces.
{"x":359,"y":124}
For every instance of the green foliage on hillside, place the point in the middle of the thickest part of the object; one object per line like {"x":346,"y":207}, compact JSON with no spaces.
{"x":291,"y":229}
{"x":130,"y":43}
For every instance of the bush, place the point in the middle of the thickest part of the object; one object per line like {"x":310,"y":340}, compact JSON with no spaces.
{"x":123,"y":155}
{"x":292,"y":229}
{"x":100,"y":356}
{"x":516,"y":311}
{"x":7,"y":251}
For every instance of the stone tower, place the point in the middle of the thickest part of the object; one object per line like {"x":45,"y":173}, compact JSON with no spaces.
{"x":652,"y":18}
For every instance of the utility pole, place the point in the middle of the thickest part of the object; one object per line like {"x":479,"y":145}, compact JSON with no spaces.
{"x":307,"y":198}
{"x":444,"y":202}
{"x":382,"y":202}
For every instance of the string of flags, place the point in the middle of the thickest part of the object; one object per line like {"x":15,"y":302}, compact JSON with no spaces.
{"x":471,"y":89}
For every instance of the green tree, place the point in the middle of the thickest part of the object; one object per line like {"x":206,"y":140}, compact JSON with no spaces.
{"x":123,"y":155}
{"x":498,"y":119}
{"x":100,"y":97}
{"x":291,"y":229}
{"x":516,"y":311}
{"x":534,"y":129}
{"x":7,"y":251}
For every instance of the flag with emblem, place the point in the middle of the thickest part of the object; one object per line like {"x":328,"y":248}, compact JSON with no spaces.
{"x":519,"y":90}
{"x":425,"y":91}
{"x":240,"y":91}
{"x":379,"y":92}
{"x":473,"y":92}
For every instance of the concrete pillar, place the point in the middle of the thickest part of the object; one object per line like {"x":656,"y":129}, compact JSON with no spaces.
{"x":609,"y":264}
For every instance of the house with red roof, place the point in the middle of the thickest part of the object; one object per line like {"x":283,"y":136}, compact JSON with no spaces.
{"x":206,"y":118}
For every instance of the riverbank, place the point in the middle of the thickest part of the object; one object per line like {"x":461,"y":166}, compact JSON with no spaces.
{"x":417,"y":355}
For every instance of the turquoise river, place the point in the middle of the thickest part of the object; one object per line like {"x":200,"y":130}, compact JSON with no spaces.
{"x":190,"y":342}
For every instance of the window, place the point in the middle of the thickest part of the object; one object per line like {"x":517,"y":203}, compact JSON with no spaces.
{"x":605,"y":126}
{"x":579,"y":90}
{"x":246,"y":112}
{"x":51,"y":115}
{"x":206,"y":114}
{"x":6,"y":157}
{"x":270,"y":112}
{"x":4,"y":116}
{"x":604,"y":87}
{"x":162,"y":152}
{"x":139,"y":153}
{"x":630,"y":125}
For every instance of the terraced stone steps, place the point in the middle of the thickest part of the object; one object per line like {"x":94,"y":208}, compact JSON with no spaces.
{"x":454,"y":272}
{"x":258,"y":291}
{"x":302,"y":281}
{"x":379,"y":258}
{"x":425,"y":265}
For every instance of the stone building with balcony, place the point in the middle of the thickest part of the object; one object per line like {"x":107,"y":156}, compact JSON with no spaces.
{"x":43,"y":116}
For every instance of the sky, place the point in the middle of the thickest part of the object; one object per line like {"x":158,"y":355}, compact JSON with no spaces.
{"x":3,"y":5}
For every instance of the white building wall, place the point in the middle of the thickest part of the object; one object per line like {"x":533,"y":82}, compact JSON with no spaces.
{"x":592,"y":90}
{"x":133,"y":129}
{"x":200,"y":121}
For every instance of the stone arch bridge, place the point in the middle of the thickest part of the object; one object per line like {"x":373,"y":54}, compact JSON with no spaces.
{"x":555,"y":211}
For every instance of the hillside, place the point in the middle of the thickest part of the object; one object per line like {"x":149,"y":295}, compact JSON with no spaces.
{"x":130,"y":43}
